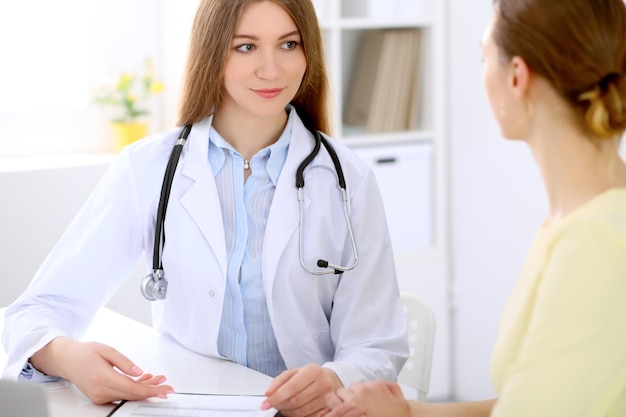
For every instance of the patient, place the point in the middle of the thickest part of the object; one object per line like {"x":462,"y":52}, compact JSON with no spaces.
{"x":554,"y":73}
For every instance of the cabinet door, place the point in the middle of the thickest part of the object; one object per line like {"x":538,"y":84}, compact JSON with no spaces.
{"x":404,"y":175}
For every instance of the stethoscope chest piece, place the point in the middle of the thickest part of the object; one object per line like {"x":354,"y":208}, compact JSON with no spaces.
{"x":154,"y":285}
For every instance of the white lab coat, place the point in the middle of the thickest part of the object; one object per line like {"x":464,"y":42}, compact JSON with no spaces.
{"x":352,"y":323}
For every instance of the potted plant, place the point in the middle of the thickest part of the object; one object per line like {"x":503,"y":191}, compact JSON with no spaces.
{"x":129,"y":96}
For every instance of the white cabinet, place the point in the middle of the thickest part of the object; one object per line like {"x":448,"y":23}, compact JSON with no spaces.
{"x":404,"y":174}
{"x":409,"y":155}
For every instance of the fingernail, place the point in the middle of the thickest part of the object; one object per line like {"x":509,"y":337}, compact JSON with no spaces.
{"x":265,"y":406}
{"x":136,"y":370}
{"x":162,"y":380}
{"x":169,"y":391}
{"x":162,"y":396}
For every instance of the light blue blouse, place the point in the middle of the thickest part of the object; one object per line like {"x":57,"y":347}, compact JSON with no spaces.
{"x":246,"y":335}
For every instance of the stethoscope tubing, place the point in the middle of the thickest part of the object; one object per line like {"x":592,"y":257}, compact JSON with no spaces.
{"x":166,"y":188}
{"x":154,"y":285}
{"x":330,"y":268}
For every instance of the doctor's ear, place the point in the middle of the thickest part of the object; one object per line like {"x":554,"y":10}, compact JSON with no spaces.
{"x":520,"y":77}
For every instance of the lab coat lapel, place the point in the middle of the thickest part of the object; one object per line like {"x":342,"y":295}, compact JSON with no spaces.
{"x":201,"y":199}
{"x":284,"y":216}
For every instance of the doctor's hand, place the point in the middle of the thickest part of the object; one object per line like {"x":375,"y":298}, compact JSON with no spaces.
{"x":300,"y":392}
{"x":373,"y":398}
{"x":102,"y":373}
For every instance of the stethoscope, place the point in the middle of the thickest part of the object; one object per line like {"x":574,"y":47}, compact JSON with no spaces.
{"x":154,"y":285}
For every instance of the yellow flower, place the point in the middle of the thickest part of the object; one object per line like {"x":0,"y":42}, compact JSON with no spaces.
{"x":130,"y":93}
{"x":156,"y":87}
{"x":125,"y":80}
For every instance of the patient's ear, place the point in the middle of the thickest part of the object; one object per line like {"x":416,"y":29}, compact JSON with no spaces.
{"x":520,"y":77}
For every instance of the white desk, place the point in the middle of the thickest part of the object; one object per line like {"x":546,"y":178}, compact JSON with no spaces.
{"x":185,"y":370}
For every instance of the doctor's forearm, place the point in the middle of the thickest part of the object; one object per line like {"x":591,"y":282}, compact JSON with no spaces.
{"x":50,"y":358}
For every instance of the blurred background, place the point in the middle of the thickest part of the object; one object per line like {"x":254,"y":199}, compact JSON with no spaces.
{"x":475,"y":199}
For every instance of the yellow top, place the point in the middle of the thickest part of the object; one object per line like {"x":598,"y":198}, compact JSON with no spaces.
{"x":561,"y":346}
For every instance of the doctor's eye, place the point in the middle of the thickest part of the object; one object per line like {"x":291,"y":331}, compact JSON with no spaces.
{"x":290,"y":45}
{"x":246,"y":47}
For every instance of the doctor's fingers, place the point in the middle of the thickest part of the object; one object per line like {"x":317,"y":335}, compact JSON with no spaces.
{"x":324,"y":379}
{"x":146,"y":378}
{"x":108,"y":385}
{"x":117,"y":359}
{"x":289,"y":385}
{"x":304,"y":393}
{"x":126,"y":366}
{"x":279,"y":381}
{"x":308,"y":402}
{"x":90,"y":366}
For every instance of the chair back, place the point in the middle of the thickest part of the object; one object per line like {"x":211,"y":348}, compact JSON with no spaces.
{"x":421,"y":333}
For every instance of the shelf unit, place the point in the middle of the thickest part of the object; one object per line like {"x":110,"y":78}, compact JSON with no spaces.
{"x":410,"y":165}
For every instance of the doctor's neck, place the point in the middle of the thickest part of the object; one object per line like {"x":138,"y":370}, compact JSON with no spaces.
{"x":248,"y":133}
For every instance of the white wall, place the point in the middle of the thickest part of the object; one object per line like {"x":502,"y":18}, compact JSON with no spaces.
{"x":122,"y":33}
{"x":497,"y":204}
{"x":496,"y":196}
{"x":177,"y":21}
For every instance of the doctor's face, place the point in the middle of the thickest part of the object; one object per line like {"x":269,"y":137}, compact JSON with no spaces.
{"x":266,"y":62}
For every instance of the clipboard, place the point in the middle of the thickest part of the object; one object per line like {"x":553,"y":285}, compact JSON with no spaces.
{"x":196,"y":405}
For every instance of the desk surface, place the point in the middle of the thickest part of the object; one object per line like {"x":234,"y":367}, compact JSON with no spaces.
{"x":185,"y":370}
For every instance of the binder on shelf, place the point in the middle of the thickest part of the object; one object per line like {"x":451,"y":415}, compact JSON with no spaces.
{"x":397,"y":112}
{"x":415,"y":105}
{"x":385,"y":94}
{"x":362,"y":89}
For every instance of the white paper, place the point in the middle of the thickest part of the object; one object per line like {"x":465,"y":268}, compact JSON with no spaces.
{"x":196,"y":405}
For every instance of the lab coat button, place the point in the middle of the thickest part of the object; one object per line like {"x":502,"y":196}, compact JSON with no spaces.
{"x":212,"y":293}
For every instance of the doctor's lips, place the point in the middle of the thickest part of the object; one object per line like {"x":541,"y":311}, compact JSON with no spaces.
{"x":268,"y":92}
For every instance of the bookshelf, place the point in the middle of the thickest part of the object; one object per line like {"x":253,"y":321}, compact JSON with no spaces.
{"x":402,"y":134}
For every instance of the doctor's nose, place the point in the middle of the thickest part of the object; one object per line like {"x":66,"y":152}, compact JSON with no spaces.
{"x":268,"y":67}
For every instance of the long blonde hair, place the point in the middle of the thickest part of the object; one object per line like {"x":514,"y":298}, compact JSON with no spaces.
{"x":211,"y":36}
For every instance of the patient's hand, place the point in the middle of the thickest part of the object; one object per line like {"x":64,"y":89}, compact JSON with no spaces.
{"x":374,"y":399}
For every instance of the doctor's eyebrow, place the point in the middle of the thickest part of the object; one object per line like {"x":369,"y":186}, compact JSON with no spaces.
{"x":256,"y":38}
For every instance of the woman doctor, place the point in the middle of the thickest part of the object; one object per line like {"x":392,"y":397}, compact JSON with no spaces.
{"x":255,"y":76}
